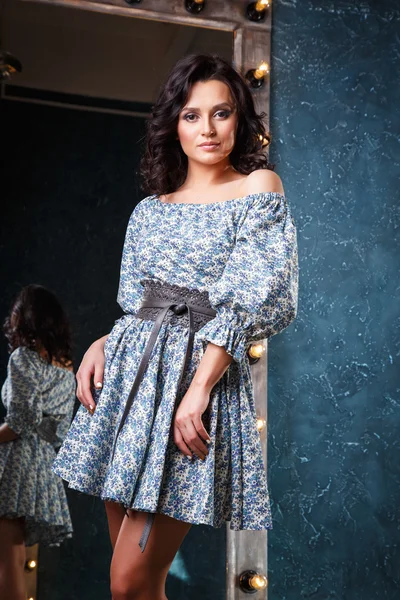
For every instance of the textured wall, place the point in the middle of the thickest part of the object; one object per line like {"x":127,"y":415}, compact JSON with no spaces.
{"x":333,"y":389}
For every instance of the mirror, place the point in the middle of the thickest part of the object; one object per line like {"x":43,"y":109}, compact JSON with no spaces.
{"x":72,"y":130}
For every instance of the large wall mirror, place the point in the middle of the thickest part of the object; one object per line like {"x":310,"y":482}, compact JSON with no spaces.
{"x":73,"y":123}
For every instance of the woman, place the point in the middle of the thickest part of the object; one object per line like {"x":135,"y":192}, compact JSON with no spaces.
{"x":209,"y":265}
{"x":39,"y":396}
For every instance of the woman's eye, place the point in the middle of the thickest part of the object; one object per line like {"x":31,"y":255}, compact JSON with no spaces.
{"x":224,"y":113}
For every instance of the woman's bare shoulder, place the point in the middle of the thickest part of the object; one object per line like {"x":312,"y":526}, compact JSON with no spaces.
{"x":263,"y":180}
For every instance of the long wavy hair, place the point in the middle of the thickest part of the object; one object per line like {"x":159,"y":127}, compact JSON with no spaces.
{"x":38,"y":321}
{"x":164,"y":165}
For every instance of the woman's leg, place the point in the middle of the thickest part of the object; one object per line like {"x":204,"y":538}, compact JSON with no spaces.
{"x":115,"y":516}
{"x":137,"y":575}
{"x":12,"y":559}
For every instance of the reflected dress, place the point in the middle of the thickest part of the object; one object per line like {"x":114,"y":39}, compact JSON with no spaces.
{"x":39,"y":399}
{"x":244,"y":253}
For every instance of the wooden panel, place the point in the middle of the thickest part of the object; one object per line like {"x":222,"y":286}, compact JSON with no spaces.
{"x":32,"y":553}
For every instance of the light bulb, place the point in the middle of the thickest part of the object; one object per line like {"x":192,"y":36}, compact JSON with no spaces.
{"x":262,"y":70}
{"x":261,"y":424}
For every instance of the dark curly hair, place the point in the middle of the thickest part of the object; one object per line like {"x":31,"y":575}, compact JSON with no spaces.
{"x":163,"y":167}
{"x":38,"y":321}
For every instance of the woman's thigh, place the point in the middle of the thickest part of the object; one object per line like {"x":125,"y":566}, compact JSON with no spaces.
{"x":137,"y":574}
{"x":12,"y":559}
{"x":115,"y":516}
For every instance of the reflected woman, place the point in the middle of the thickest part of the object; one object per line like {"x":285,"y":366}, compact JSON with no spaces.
{"x":38,"y":395}
{"x":168,"y":438}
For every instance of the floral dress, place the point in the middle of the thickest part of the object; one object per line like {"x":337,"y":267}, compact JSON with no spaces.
{"x":39,"y":400}
{"x":244,"y":253}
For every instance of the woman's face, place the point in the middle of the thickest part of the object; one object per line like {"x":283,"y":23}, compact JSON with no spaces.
{"x":208,"y":115}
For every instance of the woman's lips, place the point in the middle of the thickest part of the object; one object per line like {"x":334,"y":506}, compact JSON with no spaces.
{"x":209,"y":146}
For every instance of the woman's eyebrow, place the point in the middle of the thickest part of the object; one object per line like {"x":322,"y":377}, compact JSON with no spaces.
{"x":214,"y":107}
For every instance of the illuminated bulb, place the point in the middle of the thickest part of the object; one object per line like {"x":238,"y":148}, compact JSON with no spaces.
{"x":251,"y":582}
{"x":258,"y":582}
{"x":262,"y":70}
{"x":9,"y":65}
{"x":262,"y":5}
{"x":256,"y":77}
{"x":257,"y":11}
{"x":266,"y":140}
{"x":261,"y":424}
{"x":30,"y":565}
{"x":256,"y":350}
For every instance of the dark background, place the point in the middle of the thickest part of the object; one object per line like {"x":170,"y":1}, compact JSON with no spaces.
{"x":69,"y":184}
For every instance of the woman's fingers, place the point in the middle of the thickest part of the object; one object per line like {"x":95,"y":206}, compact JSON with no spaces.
{"x":86,"y":391}
{"x":98,"y":375}
{"x":91,"y":372}
{"x":84,"y":394}
{"x":201,"y":430}
{"x":179,"y":441}
{"x":193,"y":440}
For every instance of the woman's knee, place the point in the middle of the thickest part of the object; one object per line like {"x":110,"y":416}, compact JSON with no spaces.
{"x":132,"y":586}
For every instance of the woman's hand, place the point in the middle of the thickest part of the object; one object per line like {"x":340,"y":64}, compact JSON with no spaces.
{"x":92,"y":366}
{"x":7,"y":434}
{"x":189,"y":431}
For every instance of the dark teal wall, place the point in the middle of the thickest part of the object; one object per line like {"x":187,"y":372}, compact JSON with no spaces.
{"x":333,"y":388}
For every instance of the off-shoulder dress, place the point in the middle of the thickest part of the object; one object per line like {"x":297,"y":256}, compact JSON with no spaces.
{"x":243,"y":251}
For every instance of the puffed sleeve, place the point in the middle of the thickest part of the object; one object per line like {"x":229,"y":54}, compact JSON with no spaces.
{"x":23,"y":394}
{"x":130,"y":290}
{"x":256,"y":295}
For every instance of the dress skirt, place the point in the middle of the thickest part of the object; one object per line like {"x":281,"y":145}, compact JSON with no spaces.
{"x":147,"y":464}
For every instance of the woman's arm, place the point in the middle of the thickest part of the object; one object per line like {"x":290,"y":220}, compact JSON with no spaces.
{"x":92,"y":366}
{"x":215,"y":361}
{"x":189,"y":431}
{"x":255,"y":298}
{"x":7,"y":434}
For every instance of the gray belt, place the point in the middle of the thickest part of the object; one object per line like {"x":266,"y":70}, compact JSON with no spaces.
{"x":165,"y":302}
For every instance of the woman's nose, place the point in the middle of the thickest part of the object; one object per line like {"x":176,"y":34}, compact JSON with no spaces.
{"x":207,"y":128}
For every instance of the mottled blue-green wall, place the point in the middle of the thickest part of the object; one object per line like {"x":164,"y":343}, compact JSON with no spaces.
{"x":334,"y":386}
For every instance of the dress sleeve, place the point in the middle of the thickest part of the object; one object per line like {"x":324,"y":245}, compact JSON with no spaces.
{"x":256,"y":295}
{"x":130,"y":290}
{"x":24,"y":398}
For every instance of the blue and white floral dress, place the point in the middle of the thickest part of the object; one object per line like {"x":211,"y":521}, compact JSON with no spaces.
{"x":244,"y":253}
{"x":39,"y":399}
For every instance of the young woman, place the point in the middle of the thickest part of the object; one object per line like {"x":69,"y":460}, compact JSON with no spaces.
{"x":39,"y":396}
{"x":209,"y":266}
